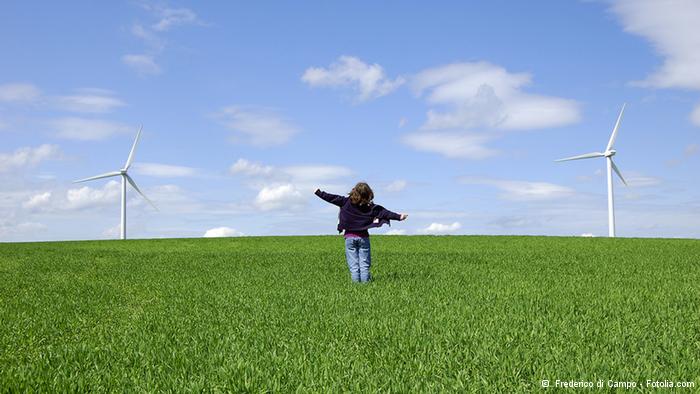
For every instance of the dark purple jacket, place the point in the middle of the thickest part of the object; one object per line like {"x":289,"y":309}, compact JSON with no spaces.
{"x":358,"y":217}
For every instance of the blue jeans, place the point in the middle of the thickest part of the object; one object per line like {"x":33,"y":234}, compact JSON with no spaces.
{"x":357,"y":253}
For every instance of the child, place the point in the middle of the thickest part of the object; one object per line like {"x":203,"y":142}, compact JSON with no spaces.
{"x":357,"y":214}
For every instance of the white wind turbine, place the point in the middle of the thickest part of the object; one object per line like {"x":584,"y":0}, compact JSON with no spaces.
{"x":125,"y":178}
{"x":608,"y":154}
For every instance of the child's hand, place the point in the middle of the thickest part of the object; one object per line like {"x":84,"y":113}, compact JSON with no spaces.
{"x":403,"y":216}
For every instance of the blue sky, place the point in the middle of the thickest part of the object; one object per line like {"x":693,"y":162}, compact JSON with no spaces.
{"x":453,"y":112}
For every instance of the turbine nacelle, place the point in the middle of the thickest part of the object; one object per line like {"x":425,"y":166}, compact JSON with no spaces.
{"x":610,"y":153}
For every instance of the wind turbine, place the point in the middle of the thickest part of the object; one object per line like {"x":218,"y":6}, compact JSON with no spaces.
{"x":608,"y":154}
{"x":125,"y":178}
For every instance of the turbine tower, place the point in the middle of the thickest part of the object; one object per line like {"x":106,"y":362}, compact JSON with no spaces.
{"x":608,"y":154}
{"x":125,"y":178}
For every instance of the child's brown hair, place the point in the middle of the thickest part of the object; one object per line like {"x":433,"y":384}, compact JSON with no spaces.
{"x":361,"y":194}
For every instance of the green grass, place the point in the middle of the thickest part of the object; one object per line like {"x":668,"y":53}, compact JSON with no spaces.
{"x":474,"y":314}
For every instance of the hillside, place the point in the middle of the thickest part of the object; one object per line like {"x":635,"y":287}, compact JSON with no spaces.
{"x":460,"y":313}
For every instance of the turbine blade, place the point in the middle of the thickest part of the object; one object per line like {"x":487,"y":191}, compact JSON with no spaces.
{"x":133,"y":149}
{"x":106,"y":175}
{"x":133,"y":184}
{"x":584,"y":156}
{"x":617,"y":171}
{"x":617,"y":126}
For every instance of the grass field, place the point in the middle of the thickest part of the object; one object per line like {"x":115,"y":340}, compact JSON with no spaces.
{"x":474,"y":314}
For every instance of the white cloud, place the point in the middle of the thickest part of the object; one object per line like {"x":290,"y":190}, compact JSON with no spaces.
{"x":673,"y":30}
{"x":695,"y":116}
{"x":284,"y":196}
{"x":28,"y":157}
{"x":89,"y":101}
{"x":87,"y":197}
{"x":483,"y":95}
{"x":513,"y":221}
{"x":142,"y":64}
{"x":691,"y":149}
{"x":258,"y":126}
{"x":369,"y":81}
{"x":171,"y":199}
{"x":164,"y":170}
{"x":170,"y":17}
{"x":537,"y":112}
{"x":8,"y":228}
{"x":520,"y":190}
{"x":458,"y":81}
{"x":450,"y":144}
{"x":280,"y":187}
{"x":638,"y":180}
{"x":439,"y":228}
{"x":475,"y":103}
{"x":523,"y":190}
{"x":301,"y":176}
{"x":396,"y":186}
{"x":148,"y":37}
{"x":167,"y":18}
{"x":222,"y":232}
{"x":395,"y":232}
{"x":246,"y":167}
{"x":87,"y":129}
{"x":38,"y":201}
{"x":19,"y":92}
{"x":112,"y":232}
{"x":635,"y":179}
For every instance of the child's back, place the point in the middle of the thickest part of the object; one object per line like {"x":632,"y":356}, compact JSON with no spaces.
{"x":357,"y":215}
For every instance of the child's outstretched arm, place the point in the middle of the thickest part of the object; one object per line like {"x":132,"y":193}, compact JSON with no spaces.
{"x":331,"y":198}
{"x":387,"y":214}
